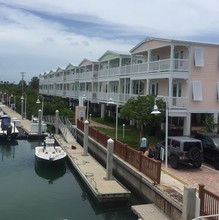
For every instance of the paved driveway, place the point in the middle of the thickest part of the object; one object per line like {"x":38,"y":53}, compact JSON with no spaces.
{"x":193,"y":176}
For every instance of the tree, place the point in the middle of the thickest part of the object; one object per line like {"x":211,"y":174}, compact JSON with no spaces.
{"x":139,"y":109}
{"x":34,"y":83}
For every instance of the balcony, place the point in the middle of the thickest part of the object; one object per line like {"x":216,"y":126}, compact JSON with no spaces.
{"x":166,"y":65}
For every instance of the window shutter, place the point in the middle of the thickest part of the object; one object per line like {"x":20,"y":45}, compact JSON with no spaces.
{"x":199,"y":57}
{"x":197,"y":91}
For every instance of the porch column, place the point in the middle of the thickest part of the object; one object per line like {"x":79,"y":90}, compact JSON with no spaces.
{"x":187,"y":124}
{"x":171,"y":56}
{"x":130,"y":91}
{"x":102,"y":110}
{"x":148,"y":87}
{"x":124,"y":92}
{"x":215,"y":121}
{"x":148,"y":60}
{"x":170,"y":91}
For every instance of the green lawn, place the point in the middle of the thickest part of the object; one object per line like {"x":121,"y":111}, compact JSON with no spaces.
{"x":127,"y":134}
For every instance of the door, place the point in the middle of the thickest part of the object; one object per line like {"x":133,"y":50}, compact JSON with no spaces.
{"x":177,"y":92}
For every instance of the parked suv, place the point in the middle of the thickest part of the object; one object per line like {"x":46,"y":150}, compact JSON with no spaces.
{"x":210,"y":143}
{"x":182,"y":149}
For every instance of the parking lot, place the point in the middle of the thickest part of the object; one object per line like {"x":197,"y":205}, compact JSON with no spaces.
{"x":206,"y":175}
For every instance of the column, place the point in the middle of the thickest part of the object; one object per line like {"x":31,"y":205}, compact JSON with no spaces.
{"x":102,"y":110}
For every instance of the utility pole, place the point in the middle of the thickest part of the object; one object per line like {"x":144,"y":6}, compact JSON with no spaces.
{"x":22,"y":76}
{"x":22,"y":98}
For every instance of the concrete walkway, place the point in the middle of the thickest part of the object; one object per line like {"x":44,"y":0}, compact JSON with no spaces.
{"x":93,"y":173}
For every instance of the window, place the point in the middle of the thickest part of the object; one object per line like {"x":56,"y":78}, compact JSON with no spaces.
{"x":199,"y":57}
{"x":217,"y":91}
{"x":197,"y":90}
{"x":154,"y":88}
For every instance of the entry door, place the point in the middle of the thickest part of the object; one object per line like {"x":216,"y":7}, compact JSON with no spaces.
{"x":177,"y":92}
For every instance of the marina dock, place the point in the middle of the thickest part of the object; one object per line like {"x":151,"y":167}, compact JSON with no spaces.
{"x":93,"y":174}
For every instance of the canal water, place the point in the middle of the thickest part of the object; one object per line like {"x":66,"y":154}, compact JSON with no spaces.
{"x":30,"y":191}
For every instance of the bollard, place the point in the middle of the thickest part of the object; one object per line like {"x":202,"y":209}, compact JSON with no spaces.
{"x":86,"y":124}
{"x":189,"y":203}
{"x":57,"y":122}
{"x":109,"y":164}
{"x":39,"y":121}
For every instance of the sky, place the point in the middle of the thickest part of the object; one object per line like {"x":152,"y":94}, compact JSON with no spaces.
{"x":37,"y":36}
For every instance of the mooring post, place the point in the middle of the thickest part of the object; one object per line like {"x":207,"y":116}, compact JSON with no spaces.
{"x":39,"y":122}
{"x":109,"y":164}
{"x":57,"y":122}
{"x":189,"y":203}
{"x":86,"y":124}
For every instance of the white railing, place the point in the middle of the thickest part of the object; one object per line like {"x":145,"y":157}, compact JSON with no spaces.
{"x":207,"y":217}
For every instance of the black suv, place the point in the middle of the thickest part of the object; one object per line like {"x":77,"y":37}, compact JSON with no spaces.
{"x":182,"y":149}
{"x":210,"y":143}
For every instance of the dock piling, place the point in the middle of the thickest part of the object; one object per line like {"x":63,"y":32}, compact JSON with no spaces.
{"x":86,"y":124}
{"x":109,"y":165}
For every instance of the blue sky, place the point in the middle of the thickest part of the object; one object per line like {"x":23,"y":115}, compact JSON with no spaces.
{"x":40,"y":35}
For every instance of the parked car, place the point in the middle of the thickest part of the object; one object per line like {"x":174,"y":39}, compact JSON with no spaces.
{"x":182,"y":149}
{"x":210,"y":143}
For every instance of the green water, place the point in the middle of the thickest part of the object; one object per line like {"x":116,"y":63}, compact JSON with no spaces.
{"x":29,"y":191}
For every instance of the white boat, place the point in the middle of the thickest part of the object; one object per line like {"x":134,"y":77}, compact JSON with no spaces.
{"x":8,"y":128}
{"x":49,"y":152}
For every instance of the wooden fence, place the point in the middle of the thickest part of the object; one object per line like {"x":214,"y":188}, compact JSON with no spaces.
{"x":209,"y":202}
{"x":148,"y":166}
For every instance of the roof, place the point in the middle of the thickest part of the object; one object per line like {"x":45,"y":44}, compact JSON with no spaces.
{"x":183,"y":138}
{"x":148,"y":39}
{"x":115,"y":54}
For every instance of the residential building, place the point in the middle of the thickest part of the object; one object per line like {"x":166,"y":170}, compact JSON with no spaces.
{"x":186,"y":73}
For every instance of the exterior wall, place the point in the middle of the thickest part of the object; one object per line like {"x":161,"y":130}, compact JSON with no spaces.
{"x":209,"y":76}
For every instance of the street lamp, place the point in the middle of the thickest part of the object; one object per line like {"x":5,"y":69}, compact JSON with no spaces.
{"x":111,"y":102}
{"x":38,"y":102}
{"x":156,"y":112}
{"x":22,"y":106}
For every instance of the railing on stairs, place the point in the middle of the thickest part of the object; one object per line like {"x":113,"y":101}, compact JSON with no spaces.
{"x":64,"y":125}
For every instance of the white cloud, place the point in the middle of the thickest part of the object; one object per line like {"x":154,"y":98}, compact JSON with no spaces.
{"x":36,"y":36}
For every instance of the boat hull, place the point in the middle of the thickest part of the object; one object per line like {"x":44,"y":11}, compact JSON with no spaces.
{"x":51,"y":155}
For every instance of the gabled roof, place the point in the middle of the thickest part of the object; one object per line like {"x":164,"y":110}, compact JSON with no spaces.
{"x":186,"y":42}
{"x":60,"y":69}
{"x":86,"y":62}
{"x":110,"y":55}
{"x":70,"y":66}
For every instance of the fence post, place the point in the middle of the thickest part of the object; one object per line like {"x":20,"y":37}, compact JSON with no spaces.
{"x":201,"y":197}
{"x":109,"y":165}
{"x":86,"y":123}
{"x":57,"y":122}
{"x":189,"y":203}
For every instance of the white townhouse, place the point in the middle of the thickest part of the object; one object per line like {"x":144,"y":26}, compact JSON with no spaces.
{"x":186,"y":73}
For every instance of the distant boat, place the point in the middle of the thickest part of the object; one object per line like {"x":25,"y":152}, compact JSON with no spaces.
{"x":49,"y":152}
{"x":8,"y":129}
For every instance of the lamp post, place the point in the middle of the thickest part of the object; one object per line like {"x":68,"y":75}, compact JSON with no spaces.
{"x":156,"y":112}
{"x":38,"y":102}
{"x":111,"y":102}
{"x":24,"y":105}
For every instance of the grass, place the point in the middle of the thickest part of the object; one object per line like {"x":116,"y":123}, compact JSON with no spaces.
{"x":127,"y":134}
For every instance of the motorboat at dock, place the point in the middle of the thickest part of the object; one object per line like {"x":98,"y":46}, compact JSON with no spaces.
{"x":8,"y":128}
{"x":49,"y":152}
